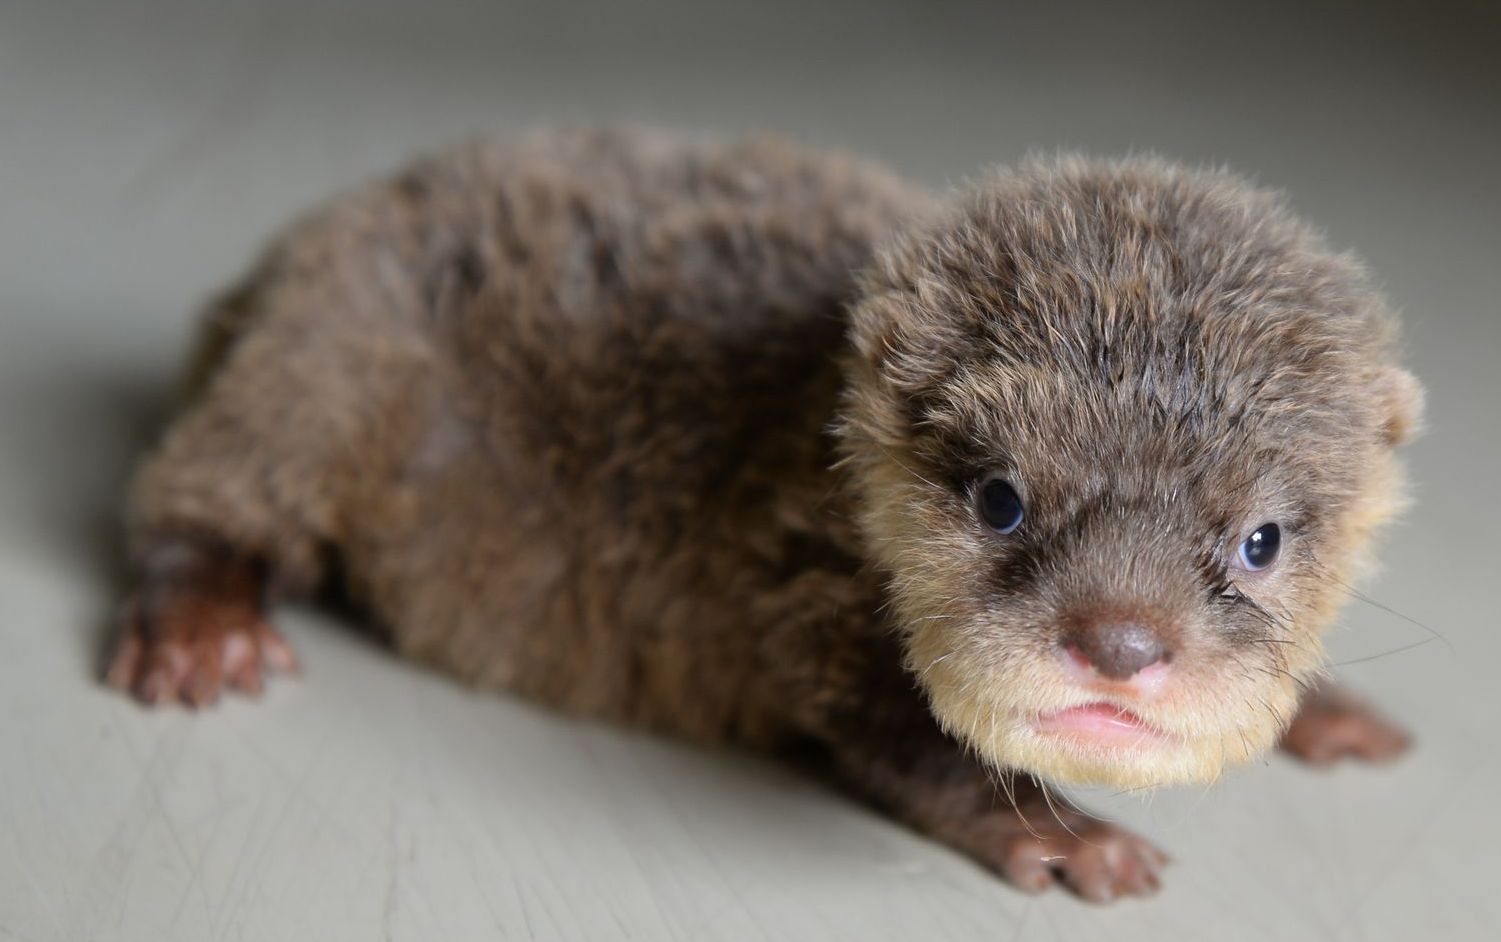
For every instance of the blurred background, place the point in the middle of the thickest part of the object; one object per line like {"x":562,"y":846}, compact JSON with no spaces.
{"x":148,"y":149}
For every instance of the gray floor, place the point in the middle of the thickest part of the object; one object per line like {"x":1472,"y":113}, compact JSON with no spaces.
{"x":147,"y":148}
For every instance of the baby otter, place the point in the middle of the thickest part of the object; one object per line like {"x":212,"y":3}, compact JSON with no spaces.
{"x":1064,"y":475}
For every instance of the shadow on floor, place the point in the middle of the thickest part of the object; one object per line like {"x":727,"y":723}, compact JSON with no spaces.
{"x":71,"y":436}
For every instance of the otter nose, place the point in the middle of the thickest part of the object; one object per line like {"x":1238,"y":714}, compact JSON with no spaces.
{"x":1119,"y":649}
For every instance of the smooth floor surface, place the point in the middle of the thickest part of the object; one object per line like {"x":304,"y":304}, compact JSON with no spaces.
{"x":148,"y":148}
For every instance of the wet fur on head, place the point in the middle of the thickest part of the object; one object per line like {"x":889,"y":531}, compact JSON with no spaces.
{"x":1159,"y":360}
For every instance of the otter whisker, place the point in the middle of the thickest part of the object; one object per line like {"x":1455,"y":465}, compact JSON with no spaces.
{"x":935,"y":662}
{"x":1020,"y":814}
{"x":905,"y":467}
{"x":1245,"y":743}
{"x":1406,"y":647}
{"x":1048,"y":798}
{"x":1361,"y":596}
{"x":1282,"y":721}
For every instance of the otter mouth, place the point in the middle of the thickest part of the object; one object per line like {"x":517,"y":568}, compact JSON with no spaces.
{"x":1105,"y":725}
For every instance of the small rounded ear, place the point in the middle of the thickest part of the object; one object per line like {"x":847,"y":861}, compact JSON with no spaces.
{"x":1401,"y":399}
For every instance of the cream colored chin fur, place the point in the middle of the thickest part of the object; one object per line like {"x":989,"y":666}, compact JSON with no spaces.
{"x":1211,"y":719}
{"x":1008,"y":741}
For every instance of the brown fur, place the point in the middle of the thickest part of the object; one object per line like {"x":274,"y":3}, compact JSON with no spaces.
{"x":567,"y":414}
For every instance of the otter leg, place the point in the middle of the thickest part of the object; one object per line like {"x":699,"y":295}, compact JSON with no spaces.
{"x":196,"y":624}
{"x":1334,"y":723}
{"x":288,"y":451}
{"x":1011,"y":825}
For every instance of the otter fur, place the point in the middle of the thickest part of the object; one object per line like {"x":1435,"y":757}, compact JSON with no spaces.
{"x":704,"y":436}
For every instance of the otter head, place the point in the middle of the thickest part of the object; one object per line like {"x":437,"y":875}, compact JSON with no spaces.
{"x":1119,"y":434}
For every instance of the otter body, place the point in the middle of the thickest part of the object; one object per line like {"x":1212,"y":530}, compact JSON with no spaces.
{"x":560,"y":407}
{"x":710,"y":437}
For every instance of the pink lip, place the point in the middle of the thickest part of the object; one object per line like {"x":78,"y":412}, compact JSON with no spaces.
{"x":1101,"y":724}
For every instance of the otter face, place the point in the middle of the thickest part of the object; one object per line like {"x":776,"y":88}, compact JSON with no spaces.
{"x":1120,"y":434}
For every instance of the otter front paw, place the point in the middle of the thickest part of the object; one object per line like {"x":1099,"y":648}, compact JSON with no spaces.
{"x":1333,"y":724}
{"x":187,"y":646}
{"x":1037,"y":848}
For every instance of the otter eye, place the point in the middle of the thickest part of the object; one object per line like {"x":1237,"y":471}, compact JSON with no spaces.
{"x":1259,"y":550}
{"x":1000,"y":507}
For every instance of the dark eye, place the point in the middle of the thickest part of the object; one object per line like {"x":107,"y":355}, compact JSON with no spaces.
{"x":1260,"y":548}
{"x":1000,"y":507}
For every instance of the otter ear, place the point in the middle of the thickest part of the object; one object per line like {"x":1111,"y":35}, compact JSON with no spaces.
{"x":1401,"y":402}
